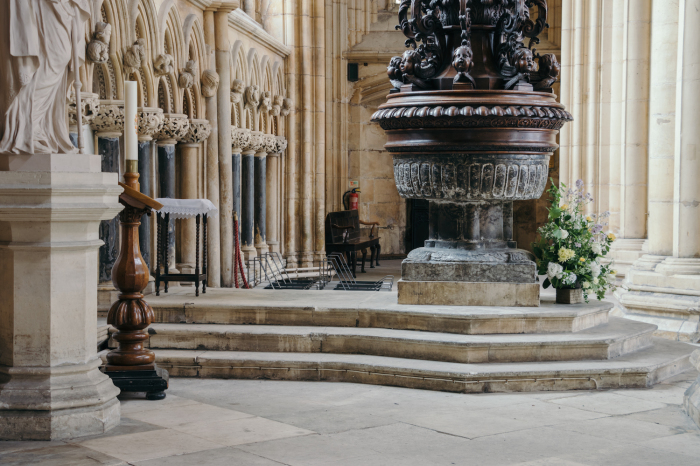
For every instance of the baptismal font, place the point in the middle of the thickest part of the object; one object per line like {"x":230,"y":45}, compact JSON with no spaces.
{"x":471,"y":124}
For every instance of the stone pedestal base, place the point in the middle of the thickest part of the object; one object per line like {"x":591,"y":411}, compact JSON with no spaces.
{"x":460,"y":277}
{"x":691,"y":399}
{"x":106,"y":295}
{"x":52,"y":403}
{"x":469,"y":293}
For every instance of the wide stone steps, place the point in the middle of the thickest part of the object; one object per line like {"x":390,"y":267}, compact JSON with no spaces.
{"x":635,"y":370}
{"x":607,"y":341}
{"x":371,"y":310}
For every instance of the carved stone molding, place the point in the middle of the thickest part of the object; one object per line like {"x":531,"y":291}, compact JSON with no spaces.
{"x":269,"y":144}
{"x":90,"y":106}
{"x":109,"y":121}
{"x":240,"y":138}
{"x":210,"y":83}
{"x":198,"y":131}
{"x":256,"y":142}
{"x":252,"y":97}
{"x":460,"y":177}
{"x":280,"y":145}
{"x":175,"y":127}
{"x":472,"y":117}
{"x":237,"y":89}
{"x":150,"y":122}
{"x":164,"y":64}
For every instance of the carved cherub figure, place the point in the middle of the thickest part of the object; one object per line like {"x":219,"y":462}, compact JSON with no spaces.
{"x":134,"y":56}
{"x":210,"y":83}
{"x":394,"y":72}
{"x":409,"y":61}
{"x":462,"y":62}
{"x":524,"y":64}
{"x":164,"y":64}
{"x":237,"y":88}
{"x":187,"y":75}
{"x":549,"y":71}
{"x":98,"y":48}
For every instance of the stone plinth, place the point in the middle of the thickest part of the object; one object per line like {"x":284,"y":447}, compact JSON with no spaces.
{"x":50,"y":385}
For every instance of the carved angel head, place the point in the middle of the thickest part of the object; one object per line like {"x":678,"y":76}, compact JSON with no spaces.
{"x":237,"y":86}
{"x":549,"y":66}
{"x":409,"y":60}
{"x":462,"y":59}
{"x":394,"y":69}
{"x":523,"y":61}
{"x":210,"y":83}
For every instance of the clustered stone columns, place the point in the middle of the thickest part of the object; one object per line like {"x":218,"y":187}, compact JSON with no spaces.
{"x":150,"y":123}
{"x":175,"y":127}
{"x":240,"y":138}
{"x":662,"y":287}
{"x":190,"y":144}
{"x":248,"y":193}
{"x":273,"y":193}
{"x":269,"y":145}
{"x":108,"y":125}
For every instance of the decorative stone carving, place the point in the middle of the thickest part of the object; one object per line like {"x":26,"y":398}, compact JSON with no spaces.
{"x":269,"y":144}
{"x":198,"y":131}
{"x":175,"y":127}
{"x":98,"y":48}
{"x":164,"y":64}
{"x":252,"y":97}
{"x":237,"y":89}
{"x":90,"y":107}
{"x":277,"y":102}
{"x":187,"y":76}
{"x":286,"y":106}
{"x":240,"y":138}
{"x":150,"y":122}
{"x":256,"y":142}
{"x":134,"y":57}
{"x":109,"y":121}
{"x":265,"y":101}
{"x":210,"y":83}
{"x":280,"y":144}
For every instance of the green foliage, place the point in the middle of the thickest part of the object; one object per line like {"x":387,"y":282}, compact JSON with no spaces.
{"x":571,"y":244}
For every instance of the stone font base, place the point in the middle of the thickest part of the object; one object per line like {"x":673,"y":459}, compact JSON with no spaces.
{"x":443,"y":293}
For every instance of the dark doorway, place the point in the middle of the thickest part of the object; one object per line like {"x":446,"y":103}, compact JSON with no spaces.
{"x":418,"y":225}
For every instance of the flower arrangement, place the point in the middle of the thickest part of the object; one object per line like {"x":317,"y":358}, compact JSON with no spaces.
{"x":571,"y":244}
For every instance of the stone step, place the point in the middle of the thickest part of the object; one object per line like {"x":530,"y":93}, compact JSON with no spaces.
{"x":606,"y":341}
{"x":636,"y":370}
{"x":369,"y":310}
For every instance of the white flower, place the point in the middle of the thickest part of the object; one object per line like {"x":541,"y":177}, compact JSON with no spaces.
{"x":564,"y":234}
{"x":595,"y":270}
{"x":586,"y":285}
{"x":570,"y":278}
{"x":595,"y":281}
{"x":554,"y":270}
{"x":597,"y":248}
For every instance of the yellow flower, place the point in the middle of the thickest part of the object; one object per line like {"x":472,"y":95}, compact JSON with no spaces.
{"x":611,"y":236}
{"x":613,"y":272}
{"x":566,"y":254}
{"x":583,"y":259}
{"x":588,"y":218}
{"x":564,"y":206}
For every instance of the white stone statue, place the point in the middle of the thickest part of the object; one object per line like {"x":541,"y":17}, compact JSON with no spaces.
{"x":187,"y":76}
{"x":164,"y":64}
{"x":134,"y":57}
{"x":98,"y":48}
{"x":35,"y":75}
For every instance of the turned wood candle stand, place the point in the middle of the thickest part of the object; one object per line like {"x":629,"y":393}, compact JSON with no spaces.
{"x":131,"y":366}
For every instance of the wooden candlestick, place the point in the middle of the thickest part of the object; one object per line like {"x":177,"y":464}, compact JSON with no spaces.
{"x":131,"y":366}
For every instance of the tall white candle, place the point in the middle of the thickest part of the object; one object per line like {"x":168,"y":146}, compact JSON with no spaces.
{"x":131,"y":145}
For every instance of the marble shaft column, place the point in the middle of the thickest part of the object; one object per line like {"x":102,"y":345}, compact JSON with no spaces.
{"x":109,"y":126}
{"x":273,"y":163}
{"x":223,"y":67}
{"x":248,"y":194}
{"x":240,"y":138}
{"x":150,"y":122}
{"x":190,"y":146}
{"x":212,"y":161}
{"x":175,"y":127}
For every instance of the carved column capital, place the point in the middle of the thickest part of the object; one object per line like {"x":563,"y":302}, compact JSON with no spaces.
{"x":280,"y":145}
{"x":175,"y":127}
{"x":269,"y":144}
{"x":256,"y":142}
{"x":198,"y":131}
{"x":109,"y":121}
{"x":150,"y":122}
{"x":90,"y":106}
{"x":240,"y":138}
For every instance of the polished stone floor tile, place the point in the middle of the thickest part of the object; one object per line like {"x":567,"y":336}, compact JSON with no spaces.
{"x":608,"y":403}
{"x":241,"y":431}
{"x":187,"y":414}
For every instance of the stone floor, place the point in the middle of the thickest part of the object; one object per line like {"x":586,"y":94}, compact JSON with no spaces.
{"x":241,"y":422}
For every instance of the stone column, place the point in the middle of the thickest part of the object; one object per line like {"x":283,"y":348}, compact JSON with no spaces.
{"x":90,"y":107}
{"x":150,"y":122}
{"x":240,"y":138}
{"x":248,"y":194}
{"x":175,"y":127}
{"x":273,"y":193}
{"x":660,"y":289}
{"x":190,"y":145}
{"x":260,"y":203}
{"x":108,"y":125}
{"x":50,"y":384}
